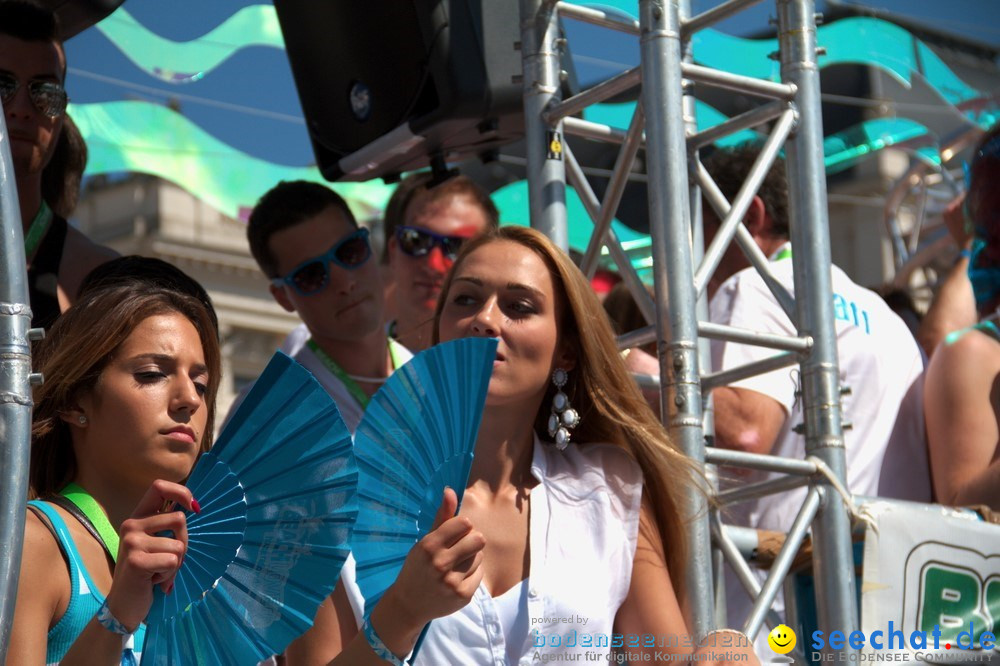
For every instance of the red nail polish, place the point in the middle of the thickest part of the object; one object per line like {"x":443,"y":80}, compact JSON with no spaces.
{"x":171,"y":588}
{"x":195,"y":506}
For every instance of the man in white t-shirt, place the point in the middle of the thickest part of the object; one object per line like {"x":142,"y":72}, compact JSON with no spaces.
{"x":306,"y":241}
{"x":879,"y":362}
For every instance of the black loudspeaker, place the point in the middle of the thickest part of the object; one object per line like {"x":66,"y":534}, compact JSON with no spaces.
{"x":387,"y":85}
{"x":75,"y":16}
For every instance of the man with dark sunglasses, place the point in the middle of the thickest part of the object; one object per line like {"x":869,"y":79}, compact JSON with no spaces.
{"x":48,"y":155}
{"x":422,"y":239}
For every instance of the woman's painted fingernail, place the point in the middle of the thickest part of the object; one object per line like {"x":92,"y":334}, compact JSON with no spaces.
{"x":195,"y":506}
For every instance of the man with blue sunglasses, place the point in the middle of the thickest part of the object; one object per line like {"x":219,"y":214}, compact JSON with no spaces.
{"x":319,"y":263}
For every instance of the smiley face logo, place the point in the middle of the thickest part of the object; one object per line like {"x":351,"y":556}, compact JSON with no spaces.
{"x":781,"y":639}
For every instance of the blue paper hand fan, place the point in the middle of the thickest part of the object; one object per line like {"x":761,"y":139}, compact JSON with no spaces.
{"x":278,"y":500}
{"x":417,"y":436}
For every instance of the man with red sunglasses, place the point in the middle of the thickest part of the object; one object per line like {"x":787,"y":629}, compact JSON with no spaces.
{"x":435,"y":219}
{"x":48,"y":155}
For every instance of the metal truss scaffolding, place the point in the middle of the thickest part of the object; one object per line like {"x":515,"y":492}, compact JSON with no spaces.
{"x":663,"y":125}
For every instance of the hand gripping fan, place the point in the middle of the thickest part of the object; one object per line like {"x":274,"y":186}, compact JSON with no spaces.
{"x":278,"y":500}
{"x":417,"y":436}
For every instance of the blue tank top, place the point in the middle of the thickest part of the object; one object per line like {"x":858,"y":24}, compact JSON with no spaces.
{"x":85,"y":599}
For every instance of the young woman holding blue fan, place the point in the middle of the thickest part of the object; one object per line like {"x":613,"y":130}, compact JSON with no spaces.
{"x":131,"y":375}
{"x":575,"y":488}
{"x":584,"y":536}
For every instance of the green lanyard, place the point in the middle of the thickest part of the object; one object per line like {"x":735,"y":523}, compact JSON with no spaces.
{"x":352,"y":386}
{"x":95,"y":514}
{"x":36,"y":232}
{"x":784,"y":253}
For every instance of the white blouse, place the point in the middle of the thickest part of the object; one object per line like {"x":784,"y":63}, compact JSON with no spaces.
{"x":583,"y":526}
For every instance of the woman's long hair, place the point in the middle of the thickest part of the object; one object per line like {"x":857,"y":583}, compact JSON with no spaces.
{"x":63,"y":175}
{"x":609,"y":402}
{"x":74,"y":354}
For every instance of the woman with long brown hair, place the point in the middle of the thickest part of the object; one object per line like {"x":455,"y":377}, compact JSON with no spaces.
{"x":575,"y":485}
{"x":131,"y":374}
{"x":576,"y":491}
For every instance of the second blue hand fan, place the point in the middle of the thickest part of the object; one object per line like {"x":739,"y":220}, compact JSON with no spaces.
{"x":417,"y":436}
{"x":278,"y":503}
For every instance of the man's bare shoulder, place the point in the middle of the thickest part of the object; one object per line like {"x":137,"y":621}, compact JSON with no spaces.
{"x":95,"y":254}
{"x":969,"y":344}
{"x":80,"y":256}
{"x":965,"y":354}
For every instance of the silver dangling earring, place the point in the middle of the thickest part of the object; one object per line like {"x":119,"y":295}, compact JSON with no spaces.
{"x":563,"y":417}
{"x":82,"y":419}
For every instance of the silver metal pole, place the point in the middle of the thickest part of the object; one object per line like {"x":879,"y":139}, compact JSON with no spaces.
{"x":613,"y":193}
{"x":741,"y":203}
{"x":638,"y":337}
{"x":759,"y":461}
{"x":737,"y":82}
{"x":546,"y":168}
{"x":761,"y":489}
{"x":833,"y":561}
{"x":595,"y":131}
{"x":669,"y":218}
{"x":629,"y":276}
{"x":15,"y":389}
{"x":697,"y":230}
{"x":714,"y":15}
{"x":751,"y":118}
{"x":725,"y":377}
{"x":604,"y":90}
{"x":747,"y":244}
{"x":746,"y":539}
{"x":707,"y":329}
{"x":783,"y":562}
{"x":598,"y":17}
{"x":735,"y":558}
{"x":712,"y":331}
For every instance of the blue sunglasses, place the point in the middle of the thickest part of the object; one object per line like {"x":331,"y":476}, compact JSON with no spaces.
{"x":312,"y":275}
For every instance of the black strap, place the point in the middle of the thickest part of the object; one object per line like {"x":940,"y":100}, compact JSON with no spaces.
{"x":43,"y":275}
{"x":75,"y":511}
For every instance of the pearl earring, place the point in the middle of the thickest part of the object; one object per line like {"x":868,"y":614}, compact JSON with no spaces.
{"x":563,"y":417}
{"x":82,"y":419}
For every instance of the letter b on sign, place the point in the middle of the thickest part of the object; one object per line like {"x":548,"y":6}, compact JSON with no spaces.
{"x":952,"y":598}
